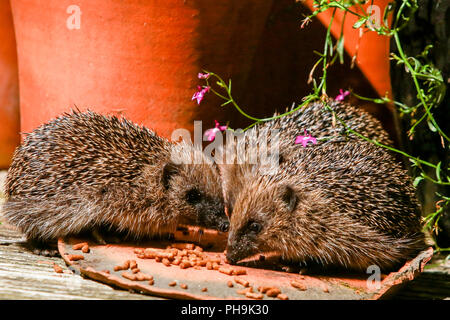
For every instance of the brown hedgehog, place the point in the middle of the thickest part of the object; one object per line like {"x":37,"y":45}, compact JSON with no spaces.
{"x":318,"y":121}
{"x":343,"y":205}
{"x":83,"y":171}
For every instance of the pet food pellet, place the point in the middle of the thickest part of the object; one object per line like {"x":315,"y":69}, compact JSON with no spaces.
{"x":85,"y":248}
{"x":282,"y":296}
{"x":298,"y":285}
{"x":158,"y":259}
{"x":129,"y":276}
{"x":138,"y":251}
{"x":133,"y":264}
{"x":75,"y":257}
{"x":204,"y":289}
{"x":228,"y":271}
{"x":241,"y":281}
{"x":185,"y":264}
{"x":151,"y":282}
{"x":238,"y":272}
{"x":230,"y":284}
{"x":166,"y":262}
{"x":245,"y":291}
{"x":252,"y":295}
{"x":215,"y":266}
{"x":264,"y":289}
{"x":273,"y":292}
{"x":106,"y":271}
{"x":176,"y":261}
{"x":57,"y":268}
{"x":135,"y":270}
{"x":173,"y":283}
{"x":79,"y":246}
{"x":140,"y":277}
{"x":183,"y":286}
{"x":209,"y":265}
{"x":125,"y":266}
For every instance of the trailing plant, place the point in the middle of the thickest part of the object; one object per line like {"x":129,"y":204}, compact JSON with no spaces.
{"x":427,"y":79}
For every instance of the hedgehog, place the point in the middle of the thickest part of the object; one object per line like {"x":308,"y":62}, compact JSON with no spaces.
{"x":338,"y":205}
{"x":85,"y":171}
{"x":319,"y":123}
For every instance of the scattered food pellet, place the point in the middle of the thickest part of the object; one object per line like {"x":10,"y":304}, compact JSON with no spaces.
{"x":273,"y":292}
{"x":173,"y":283}
{"x":166,"y":262}
{"x":241,"y":281}
{"x":57,"y":268}
{"x":245,"y":291}
{"x":204,"y":289}
{"x":129,"y":276}
{"x":75,"y":257}
{"x":151,"y":282}
{"x":282,"y":296}
{"x":106,"y":271}
{"x":238,"y":272}
{"x":230,"y":284}
{"x":252,"y":295}
{"x":228,"y":271}
{"x":133,"y":264}
{"x":85,"y":249}
{"x":263,"y":289}
{"x":185,"y":264}
{"x":183,"y":286}
{"x":326,"y":290}
{"x":298,"y":285}
{"x":125,"y":266}
{"x":135,"y":270}
{"x":79,"y":246}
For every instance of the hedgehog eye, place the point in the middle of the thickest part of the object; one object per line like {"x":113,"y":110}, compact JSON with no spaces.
{"x":193,"y":196}
{"x":254,"y":227}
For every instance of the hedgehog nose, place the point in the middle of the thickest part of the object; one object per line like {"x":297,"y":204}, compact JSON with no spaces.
{"x":224,"y":226}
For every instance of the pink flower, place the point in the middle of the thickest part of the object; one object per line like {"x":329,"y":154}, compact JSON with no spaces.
{"x":203,"y":75}
{"x":200,"y":94}
{"x":342,"y":95}
{"x":210,"y":134}
{"x":304,"y":140}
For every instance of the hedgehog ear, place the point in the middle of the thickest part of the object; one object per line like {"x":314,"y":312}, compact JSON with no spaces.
{"x":169,"y":170}
{"x":289,"y":197}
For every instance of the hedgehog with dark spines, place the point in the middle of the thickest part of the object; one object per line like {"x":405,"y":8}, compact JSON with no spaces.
{"x":335,"y":205}
{"x":317,"y":120}
{"x":83,"y":171}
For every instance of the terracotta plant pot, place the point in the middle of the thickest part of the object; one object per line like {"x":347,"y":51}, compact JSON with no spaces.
{"x":371,"y":49}
{"x":9,"y":91}
{"x":134,"y":58}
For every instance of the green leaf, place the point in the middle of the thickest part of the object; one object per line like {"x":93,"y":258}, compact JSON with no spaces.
{"x":414,"y":162}
{"x":431,"y":126}
{"x":438,"y":171}
{"x":340,"y":49}
{"x":221,"y":84}
{"x":417,"y":180}
{"x":360,"y":22}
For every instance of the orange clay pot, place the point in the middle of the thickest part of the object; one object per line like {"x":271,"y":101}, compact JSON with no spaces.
{"x":371,"y":50}
{"x":136,"y":58}
{"x":9,"y":91}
